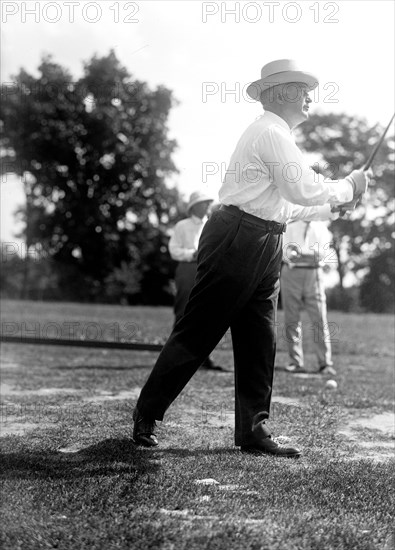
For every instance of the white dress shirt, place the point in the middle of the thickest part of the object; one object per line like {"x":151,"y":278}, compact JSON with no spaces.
{"x":185,"y":239}
{"x":268,"y":176}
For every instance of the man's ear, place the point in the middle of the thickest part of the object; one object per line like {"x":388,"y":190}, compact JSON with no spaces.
{"x":280,"y":98}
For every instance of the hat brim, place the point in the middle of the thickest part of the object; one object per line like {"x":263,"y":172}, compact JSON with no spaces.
{"x":255,"y":89}
{"x":207,"y":199}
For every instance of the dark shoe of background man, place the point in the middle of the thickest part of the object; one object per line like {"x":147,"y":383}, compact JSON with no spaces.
{"x":209,"y":365}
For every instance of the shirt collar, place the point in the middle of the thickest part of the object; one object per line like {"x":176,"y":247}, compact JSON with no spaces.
{"x":272,"y":117}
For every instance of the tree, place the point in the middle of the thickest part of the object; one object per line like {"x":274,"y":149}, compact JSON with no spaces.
{"x":94,"y":155}
{"x":378,"y":287}
{"x":364,"y":239}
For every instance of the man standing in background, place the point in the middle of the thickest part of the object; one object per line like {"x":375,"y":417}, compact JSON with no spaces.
{"x":183,"y":247}
{"x":306,"y":246}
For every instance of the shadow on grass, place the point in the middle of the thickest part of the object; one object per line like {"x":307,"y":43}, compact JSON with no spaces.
{"x":184,"y":453}
{"x":108,"y":457}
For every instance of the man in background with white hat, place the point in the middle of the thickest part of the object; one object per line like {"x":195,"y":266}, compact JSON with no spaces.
{"x":183,"y":246}
{"x":268,"y":183}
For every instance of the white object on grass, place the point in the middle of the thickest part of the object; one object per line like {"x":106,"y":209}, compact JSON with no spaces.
{"x":331,"y":384}
{"x":208,"y":481}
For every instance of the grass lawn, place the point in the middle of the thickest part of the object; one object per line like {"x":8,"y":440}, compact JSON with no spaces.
{"x":72,"y":479}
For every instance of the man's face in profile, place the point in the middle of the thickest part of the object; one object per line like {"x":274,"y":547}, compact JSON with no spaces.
{"x":296,"y":95}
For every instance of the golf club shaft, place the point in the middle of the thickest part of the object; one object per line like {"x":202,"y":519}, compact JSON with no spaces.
{"x":342,"y":212}
{"x":373,"y":154}
{"x":377,"y":147}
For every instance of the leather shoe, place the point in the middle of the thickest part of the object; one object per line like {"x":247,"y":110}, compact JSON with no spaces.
{"x":327,"y":370}
{"x":209,"y":365}
{"x":144,"y":430}
{"x":294,"y":368}
{"x":262,"y":443}
{"x":268,"y":446}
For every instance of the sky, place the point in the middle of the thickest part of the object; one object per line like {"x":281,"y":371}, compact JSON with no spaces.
{"x":206,"y":53}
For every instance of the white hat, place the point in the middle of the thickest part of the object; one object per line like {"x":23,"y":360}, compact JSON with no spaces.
{"x":196,"y":197}
{"x":281,"y":71}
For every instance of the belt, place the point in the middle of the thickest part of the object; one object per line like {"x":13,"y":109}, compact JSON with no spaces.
{"x":301,"y":266}
{"x":269,"y":225}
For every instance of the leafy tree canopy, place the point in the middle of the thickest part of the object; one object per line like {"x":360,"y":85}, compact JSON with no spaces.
{"x":94,"y":154}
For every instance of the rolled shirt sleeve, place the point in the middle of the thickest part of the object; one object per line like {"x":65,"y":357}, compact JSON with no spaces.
{"x":185,"y":239}
{"x":177,"y":249}
{"x":314,"y":213}
{"x":277,"y":151}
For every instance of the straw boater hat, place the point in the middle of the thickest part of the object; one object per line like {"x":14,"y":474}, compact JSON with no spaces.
{"x":197,"y":197}
{"x":281,"y":71}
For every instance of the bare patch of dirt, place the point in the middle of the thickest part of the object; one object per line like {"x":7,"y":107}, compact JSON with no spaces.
{"x":378,"y":449}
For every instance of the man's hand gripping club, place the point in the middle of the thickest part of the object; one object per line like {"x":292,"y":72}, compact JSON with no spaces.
{"x":359,"y":180}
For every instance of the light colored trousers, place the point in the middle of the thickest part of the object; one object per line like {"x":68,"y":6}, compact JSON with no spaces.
{"x":302,"y":288}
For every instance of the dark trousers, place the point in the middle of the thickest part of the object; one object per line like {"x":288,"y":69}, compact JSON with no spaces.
{"x":185,"y":280}
{"x":236,"y":286}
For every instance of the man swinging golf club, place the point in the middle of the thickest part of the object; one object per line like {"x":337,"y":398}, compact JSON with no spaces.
{"x":267,"y":184}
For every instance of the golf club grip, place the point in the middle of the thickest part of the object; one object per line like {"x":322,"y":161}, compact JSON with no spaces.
{"x":377,"y":147}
